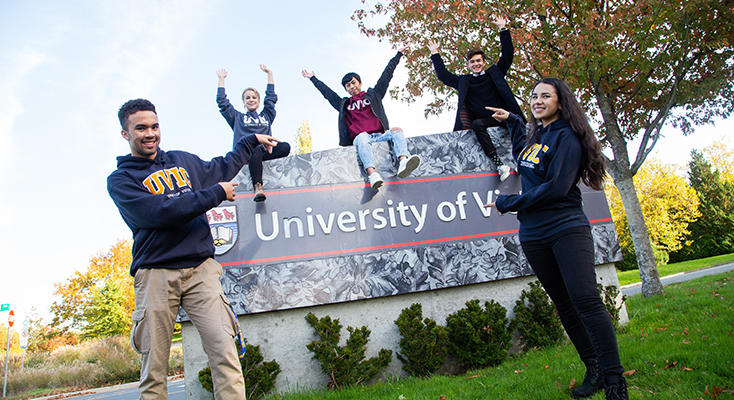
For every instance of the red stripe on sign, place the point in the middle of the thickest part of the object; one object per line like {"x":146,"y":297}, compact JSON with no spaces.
{"x":370,"y":248}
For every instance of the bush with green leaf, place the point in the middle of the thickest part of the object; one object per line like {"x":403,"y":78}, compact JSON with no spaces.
{"x":423,"y":344}
{"x":259,"y":376}
{"x":345,"y":365}
{"x":480,"y":337}
{"x":537,"y":318}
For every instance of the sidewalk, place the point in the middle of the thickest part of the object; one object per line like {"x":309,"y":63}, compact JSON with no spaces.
{"x":635,"y":288}
{"x":101,"y":390}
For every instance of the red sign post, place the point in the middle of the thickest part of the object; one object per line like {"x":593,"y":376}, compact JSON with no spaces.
{"x":11,"y":318}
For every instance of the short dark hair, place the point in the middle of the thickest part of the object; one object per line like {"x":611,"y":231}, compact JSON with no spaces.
{"x":473,"y":52}
{"x":348,"y":78}
{"x":131,"y":107}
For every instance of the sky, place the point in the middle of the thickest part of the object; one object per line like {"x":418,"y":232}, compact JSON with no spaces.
{"x":66,"y":67}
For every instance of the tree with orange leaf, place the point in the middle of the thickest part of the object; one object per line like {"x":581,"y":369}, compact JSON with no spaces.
{"x":636,"y":65}
{"x":99,"y":300}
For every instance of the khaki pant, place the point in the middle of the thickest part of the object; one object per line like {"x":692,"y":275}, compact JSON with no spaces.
{"x":158,"y":294}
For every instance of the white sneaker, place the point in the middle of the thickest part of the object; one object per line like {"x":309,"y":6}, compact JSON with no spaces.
{"x":504,"y":172}
{"x":408,"y":165}
{"x":375,"y":180}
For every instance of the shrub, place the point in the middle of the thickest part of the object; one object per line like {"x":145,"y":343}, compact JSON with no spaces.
{"x":259,"y":376}
{"x":537,"y":318}
{"x":480,"y":337}
{"x":345,"y":365}
{"x":176,"y":362}
{"x":609,"y":296}
{"x":423,"y":343}
{"x":66,"y":354}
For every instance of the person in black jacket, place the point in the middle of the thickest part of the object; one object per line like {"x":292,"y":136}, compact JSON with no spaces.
{"x":362,"y":120}
{"x":555,"y":233}
{"x":479,"y":89}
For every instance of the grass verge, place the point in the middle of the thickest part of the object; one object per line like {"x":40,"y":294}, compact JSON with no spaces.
{"x":633,"y":276}
{"x":676,"y":346}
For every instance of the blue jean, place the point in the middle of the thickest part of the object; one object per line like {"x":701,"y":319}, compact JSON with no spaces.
{"x":363,"y":143}
{"x":564,"y":265}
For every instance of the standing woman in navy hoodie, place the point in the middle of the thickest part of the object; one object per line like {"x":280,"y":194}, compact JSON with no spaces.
{"x":253,"y":123}
{"x":560,"y":150}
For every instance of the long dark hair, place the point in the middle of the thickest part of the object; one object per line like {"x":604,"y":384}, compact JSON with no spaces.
{"x":592,"y":171}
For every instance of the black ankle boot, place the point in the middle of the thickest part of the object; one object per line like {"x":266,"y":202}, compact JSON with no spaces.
{"x":593,"y":381}
{"x":616,"y":388}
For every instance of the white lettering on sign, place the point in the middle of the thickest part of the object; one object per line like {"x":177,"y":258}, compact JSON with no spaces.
{"x":347,"y":221}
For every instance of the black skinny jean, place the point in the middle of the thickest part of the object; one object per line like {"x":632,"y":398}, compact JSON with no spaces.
{"x":479,"y":126}
{"x":259,"y":154}
{"x":564,"y":265}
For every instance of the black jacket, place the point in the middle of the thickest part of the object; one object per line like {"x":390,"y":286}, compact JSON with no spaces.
{"x":496,"y":72}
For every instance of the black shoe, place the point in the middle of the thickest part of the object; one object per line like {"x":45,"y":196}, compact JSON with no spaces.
{"x":617,"y":391}
{"x":593,"y":381}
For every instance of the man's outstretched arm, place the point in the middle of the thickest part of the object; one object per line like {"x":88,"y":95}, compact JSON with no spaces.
{"x":507,"y":50}
{"x":443,"y":75}
{"x":326,"y":91}
{"x":384,"y":82}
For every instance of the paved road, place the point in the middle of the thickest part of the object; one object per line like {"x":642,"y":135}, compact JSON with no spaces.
{"x":176,"y":389}
{"x":635,"y":288}
{"x":128,"y":391}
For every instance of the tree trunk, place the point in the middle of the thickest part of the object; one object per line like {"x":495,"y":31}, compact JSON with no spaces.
{"x":651,"y":285}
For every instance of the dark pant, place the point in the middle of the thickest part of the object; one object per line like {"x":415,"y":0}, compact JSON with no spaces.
{"x":259,"y":154}
{"x":479,"y":126}
{"x":564,"y":264}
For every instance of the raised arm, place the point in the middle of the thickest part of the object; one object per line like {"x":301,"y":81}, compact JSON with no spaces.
{"x":507,"y":50}
{"x":225,"y":107}
{"x":443,"y":75}
{"x":384,"y":82}
{"x":222,"y":73}
{"x":270,"y":97}
{"x":269,"y":72}
{"x":326,"y":91}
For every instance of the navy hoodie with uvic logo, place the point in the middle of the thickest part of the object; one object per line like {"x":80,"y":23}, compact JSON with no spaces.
{"x":551,"y":198}
{"x":164,"y":202}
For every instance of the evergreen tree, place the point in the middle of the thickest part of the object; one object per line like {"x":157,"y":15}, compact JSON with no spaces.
{"x":713,"y":233}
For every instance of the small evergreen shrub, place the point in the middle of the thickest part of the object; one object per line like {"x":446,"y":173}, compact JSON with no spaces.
{"x":345,"y":365}
{"x":537,"y":318}
{"x":259,"y":376}
{"x":609,"y":297}
{"x":423,"y":344}
{"x":480,"y":337}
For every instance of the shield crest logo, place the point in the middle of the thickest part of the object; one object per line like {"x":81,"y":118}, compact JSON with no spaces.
{"x":223,"y":226}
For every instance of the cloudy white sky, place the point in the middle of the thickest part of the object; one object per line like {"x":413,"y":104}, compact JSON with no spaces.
{"x":66,"y":67}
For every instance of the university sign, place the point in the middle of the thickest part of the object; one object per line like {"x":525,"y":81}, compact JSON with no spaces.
{"x":324,"y":236}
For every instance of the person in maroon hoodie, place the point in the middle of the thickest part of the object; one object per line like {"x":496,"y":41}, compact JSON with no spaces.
{"x":362,"y":120}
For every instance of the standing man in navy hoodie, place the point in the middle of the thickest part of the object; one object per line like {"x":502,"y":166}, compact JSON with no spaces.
{"x":163,"y":197}
{"x":362,"y":120}
{"x":482,"y":88}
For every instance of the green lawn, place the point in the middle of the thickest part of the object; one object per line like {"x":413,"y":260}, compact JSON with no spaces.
{"x":633,"y":276}
{"x":676,"y":346}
